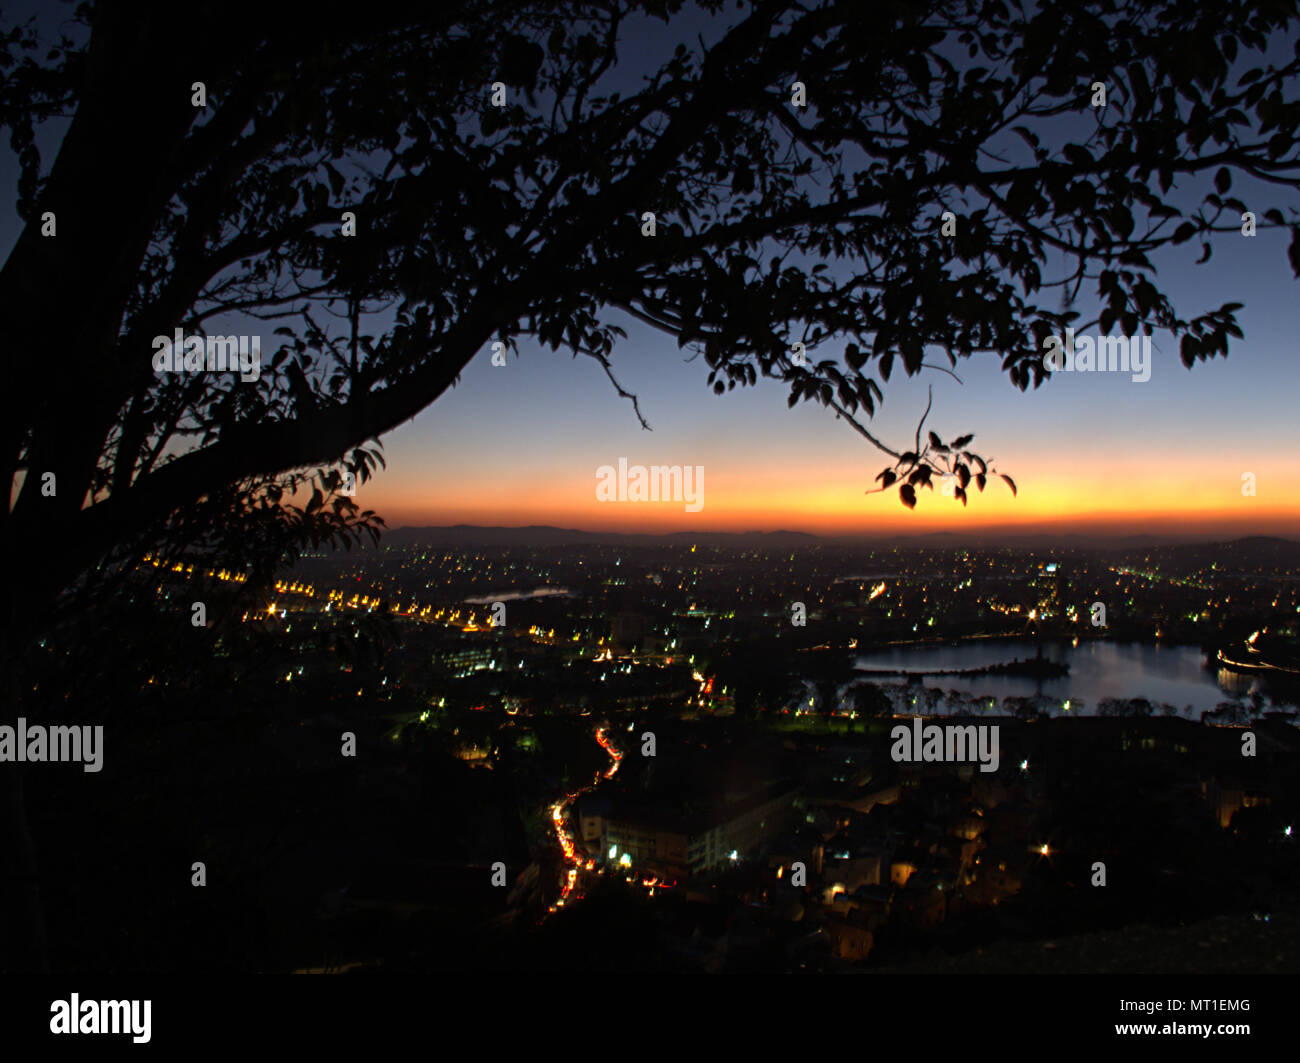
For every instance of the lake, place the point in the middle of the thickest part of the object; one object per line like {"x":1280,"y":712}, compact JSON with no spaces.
{"x":1098,"y":670}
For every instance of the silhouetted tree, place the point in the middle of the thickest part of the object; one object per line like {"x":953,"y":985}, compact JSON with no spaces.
{"x":870,"y":701}
{"x":829,"y":671}
{"x":477,"y":223}
{"x":757,"y":675}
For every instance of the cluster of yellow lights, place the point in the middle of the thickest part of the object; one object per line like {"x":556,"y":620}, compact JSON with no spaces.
{"x":287,"y":587}
{"x":224,"y":575}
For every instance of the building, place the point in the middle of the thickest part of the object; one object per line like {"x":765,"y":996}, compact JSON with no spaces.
{"x":678,"y":846}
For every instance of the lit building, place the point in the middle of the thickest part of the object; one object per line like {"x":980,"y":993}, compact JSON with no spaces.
{"x":680,"y":847}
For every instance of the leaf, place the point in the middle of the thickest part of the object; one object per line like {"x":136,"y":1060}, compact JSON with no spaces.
{"x":335,"y":179}
{"x":1010,"y":482}
{"x":1223,"y":180}
{"x":908,"y":494}
{"x":1141,"y":86}
{"x":1077,"y":155}
{"x":1120,"y":220}
{"x":887,"y":478}
{"x":886,"y":364}
{"x":1025,"y":135}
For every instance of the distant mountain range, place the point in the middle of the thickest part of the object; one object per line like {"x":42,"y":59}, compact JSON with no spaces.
{"x":471,"y":535}
{"x":545,"y":535}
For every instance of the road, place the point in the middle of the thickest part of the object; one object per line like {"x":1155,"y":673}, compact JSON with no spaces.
{"x":574,"y":863}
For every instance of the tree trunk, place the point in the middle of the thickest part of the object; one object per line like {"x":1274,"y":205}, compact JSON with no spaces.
{"x":27,"y":948}
{"x":23,"y":938}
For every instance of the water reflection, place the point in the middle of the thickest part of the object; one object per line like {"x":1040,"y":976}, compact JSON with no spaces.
{"x":1172,"y":678}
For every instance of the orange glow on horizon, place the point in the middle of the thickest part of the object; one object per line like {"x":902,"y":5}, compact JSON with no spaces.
{"x":1141,"y":493}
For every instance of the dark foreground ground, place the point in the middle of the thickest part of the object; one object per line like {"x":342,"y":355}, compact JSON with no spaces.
{"x":1226,"y":944}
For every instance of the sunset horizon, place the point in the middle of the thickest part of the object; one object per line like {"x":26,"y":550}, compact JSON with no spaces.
{"x":1174,"y":531}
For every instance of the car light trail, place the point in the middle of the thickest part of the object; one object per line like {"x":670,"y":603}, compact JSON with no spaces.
{"x":559,"y":817}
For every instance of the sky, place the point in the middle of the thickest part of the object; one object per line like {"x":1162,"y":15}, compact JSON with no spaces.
{"x":521,"y":443}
